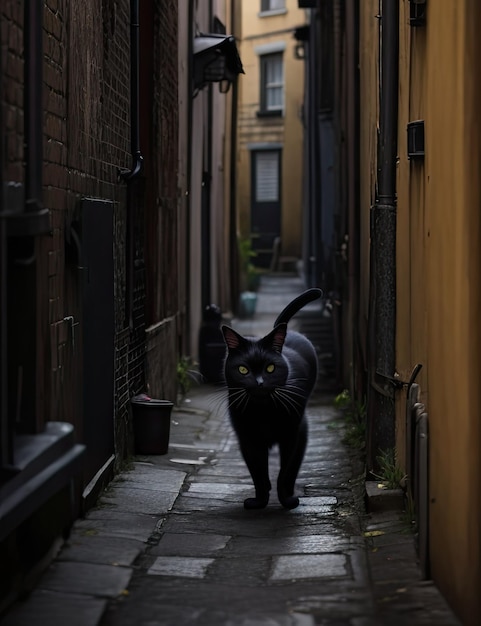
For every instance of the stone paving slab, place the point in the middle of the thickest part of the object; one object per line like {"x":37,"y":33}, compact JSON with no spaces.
{"x":93,"y":579}
{"x":293,"y":544}
{"x":297,"y":567}
{"x":214,"y":489}
{"x":190,"y":544}
{"x":180,"y":566}
{"x":135,"y":500}
{"x":110,"y":522}
{"x":97,"y":549}
{"x":56,"y":609}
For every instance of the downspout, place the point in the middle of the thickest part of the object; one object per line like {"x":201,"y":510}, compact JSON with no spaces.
{"x":130,"y":175}
{"x":313,"y":235}
{"x":35,"y":218}
{"x":234,"y":258}
{"x":5,"y":437}
{"x":187,"y":306}
{"x":134,"y":171}
{"x":382,"y":331}
{"x":206,"y":203}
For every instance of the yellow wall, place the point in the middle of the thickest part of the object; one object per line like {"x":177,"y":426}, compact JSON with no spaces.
{"x":438,"y":267}
{"x":286,"y":130}
{"x":453,"y":276}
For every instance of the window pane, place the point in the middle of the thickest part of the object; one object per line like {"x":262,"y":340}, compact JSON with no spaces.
{"x":274,"y":98}
{"x":267,"y":176}
{"x":271,"y":5}
{"x":274,"y":70}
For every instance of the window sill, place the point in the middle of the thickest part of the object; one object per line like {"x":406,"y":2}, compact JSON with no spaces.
{"x":272,"y":13}
{"x":278,"y":113}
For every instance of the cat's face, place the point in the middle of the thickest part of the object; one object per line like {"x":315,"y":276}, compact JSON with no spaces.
{"x":255,"y":365}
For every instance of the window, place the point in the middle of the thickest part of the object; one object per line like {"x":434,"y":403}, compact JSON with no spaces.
{"x":272,"y":5}
{"x":272,"y":84}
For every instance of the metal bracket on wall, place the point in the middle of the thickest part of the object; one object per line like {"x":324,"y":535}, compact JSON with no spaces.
{"x":72,"y":323}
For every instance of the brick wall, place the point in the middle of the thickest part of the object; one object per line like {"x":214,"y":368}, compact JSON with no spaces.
{"x":86,"y":140}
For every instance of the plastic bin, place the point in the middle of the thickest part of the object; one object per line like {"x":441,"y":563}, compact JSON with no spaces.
{"x":151,"y":422}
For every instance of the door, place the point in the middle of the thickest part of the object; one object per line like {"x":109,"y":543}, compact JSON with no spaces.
{"x":265,"y":203}
{"x":98,"y":333}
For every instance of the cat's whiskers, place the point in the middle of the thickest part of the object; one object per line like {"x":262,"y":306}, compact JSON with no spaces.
{"x":238,"y":397}
{"x":287,"y":401}
{"x":218,"y":400}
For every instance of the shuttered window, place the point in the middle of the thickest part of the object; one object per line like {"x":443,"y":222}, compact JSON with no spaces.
{"x":267,"y":176}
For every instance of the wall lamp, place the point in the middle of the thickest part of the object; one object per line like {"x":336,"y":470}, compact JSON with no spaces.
{"x":216,"y":60}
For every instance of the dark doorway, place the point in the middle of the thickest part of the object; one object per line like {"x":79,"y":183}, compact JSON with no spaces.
{"x":265,"y":203}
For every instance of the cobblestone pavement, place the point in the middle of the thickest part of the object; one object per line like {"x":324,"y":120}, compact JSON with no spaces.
{"x":169,"y":542}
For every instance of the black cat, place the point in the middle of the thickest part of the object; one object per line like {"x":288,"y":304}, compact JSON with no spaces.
{"x":269,"y":381}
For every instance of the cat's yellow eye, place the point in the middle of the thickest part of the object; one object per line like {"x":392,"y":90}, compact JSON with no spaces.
{"x":270,"y":368}
{"x":243,"y":369}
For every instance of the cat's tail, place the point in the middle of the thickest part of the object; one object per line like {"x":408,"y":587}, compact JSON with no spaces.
{"x":297,"y":304}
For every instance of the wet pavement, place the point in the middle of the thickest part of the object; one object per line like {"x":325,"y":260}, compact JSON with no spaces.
{"x":169,"y":542}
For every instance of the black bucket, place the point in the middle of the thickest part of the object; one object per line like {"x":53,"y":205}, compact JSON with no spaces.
{"x":151,"y":421}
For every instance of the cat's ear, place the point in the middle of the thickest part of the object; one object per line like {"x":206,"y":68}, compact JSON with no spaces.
{"x":232,"y":339}
{"x":275,"y":339}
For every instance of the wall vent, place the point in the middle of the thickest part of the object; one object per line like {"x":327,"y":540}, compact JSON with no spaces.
{"x":416,"y":139}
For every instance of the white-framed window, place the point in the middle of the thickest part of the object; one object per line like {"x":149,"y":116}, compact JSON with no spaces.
{"x":272,"y":84}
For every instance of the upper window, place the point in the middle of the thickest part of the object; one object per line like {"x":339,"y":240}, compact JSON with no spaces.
{"x":272,"y":5}
{"x":272,"y":84}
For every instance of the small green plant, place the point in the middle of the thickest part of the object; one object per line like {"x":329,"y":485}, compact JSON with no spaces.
{"x":250,"y":274}
{"x":354,"y":416}
{"x":184,"y":379}
{"x":409,"y":511}
{"x":390,"y":473}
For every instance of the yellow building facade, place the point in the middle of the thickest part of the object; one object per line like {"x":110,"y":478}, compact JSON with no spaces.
{"x":270,"y":148}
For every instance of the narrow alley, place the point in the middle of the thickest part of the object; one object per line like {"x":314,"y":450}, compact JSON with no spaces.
{"x":170,"y":543}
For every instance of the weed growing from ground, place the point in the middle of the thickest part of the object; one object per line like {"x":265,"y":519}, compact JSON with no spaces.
{"x":354,"y":418}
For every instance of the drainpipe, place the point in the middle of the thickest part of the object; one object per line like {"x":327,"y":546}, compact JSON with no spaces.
{"x":5,"y":439}
{"x":35,"y":219}
{"x":382,"y":324}
{"x":234,"y":258}
{"x":206,"y":202}
{"x":131,"y":175}
{"x":312,"y":232}
{"x":186,"y":305}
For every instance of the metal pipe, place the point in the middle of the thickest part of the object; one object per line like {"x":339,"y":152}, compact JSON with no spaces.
{"x":137,"y":158}
{"x":33,"y":105}
{"x":383,"y":235}
{"x":233,"y":252}
{"x":34,"y":220}
{"x":5,"y":433}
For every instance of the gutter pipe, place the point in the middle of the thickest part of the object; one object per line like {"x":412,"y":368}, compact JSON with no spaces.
{"x":130,"y":175}
{"x":5,"y":440}
{"x":137,"y":159}
{"x":382,"y":331}
{"x":234,"y":255}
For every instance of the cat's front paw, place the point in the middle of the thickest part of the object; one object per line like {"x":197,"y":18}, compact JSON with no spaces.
{"x":256,"y":503}
{"x":291,"y":502}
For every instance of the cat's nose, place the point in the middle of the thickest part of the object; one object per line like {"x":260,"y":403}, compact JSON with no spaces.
{"x":260,"y":381}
